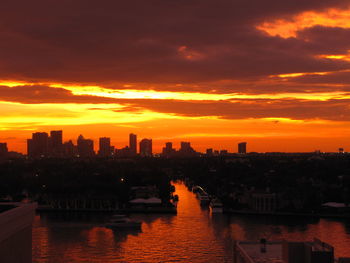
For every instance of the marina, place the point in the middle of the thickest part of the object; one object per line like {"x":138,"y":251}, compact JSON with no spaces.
{"x":191,"y":235}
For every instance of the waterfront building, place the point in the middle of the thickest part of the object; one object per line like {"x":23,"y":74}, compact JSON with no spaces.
{"x":37,"y":146}
{"x":264,"y":202}
{"x":133,"y":144}
{"x":105,"y":149}
{"x":55,"y":144}
{"x":314,"y":251}
{"x":16,"y":232}
{"x":146,"y":147}
{"x":85,"y":147}
{"x":242,"y":148}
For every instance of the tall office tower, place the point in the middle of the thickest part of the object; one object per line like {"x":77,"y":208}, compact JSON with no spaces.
{"x":133,"y":144}
{"x":168,"y":150}
{"x":242,"y":147}
{"x":3,"y":149}
{"x":186,"y":149}
{"x":105,"y":147}
{"x":146,"y":147}
{"x":38,"y":145}
{"x":209,"y":152}
{"x":85,"y":147}
{"x":69,"y":149}
{"x":56,"y":145}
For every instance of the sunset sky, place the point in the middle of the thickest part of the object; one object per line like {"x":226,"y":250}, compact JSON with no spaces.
{"x":214,"y":72}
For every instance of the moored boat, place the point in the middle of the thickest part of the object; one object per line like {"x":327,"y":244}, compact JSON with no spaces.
{"x":122,"y":221}
{"x":216,"y":206}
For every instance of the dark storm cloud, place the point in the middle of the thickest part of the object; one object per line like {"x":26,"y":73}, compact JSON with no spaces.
{"x":102,"y":41}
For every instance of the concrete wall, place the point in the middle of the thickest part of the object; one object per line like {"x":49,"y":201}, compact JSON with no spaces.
{"x":16,"y":233}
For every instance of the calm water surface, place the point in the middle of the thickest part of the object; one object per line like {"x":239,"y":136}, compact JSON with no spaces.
{"x":193,"y":235}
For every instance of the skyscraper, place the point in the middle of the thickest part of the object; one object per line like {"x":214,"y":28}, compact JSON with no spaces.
{"x":133,"y":144}
{"x":38,"y":145}
{"x":146,"y":147}
{"x":105,"y":147}
{"x":186,"y":149}
{"x":242,"y":147}
{"x":168,"y":150}
{"x":56,"y":144}
{"x":3,"y":149}
{"x":85,"y":147}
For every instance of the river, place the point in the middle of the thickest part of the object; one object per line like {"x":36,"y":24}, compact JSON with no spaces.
{"x":193,"y":235}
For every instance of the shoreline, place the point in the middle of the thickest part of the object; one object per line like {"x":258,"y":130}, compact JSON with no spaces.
{"x":313,"y":215}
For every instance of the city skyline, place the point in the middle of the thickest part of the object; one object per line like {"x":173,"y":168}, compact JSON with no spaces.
{"x":54,"y":140}
{"x":273,"y":73}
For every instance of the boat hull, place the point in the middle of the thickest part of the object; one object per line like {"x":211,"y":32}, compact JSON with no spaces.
{"x":216,"y":210}
{"x":123,"y":225}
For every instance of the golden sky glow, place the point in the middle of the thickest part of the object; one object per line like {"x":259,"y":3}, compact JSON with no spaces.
{"x":188,"y":96}
{"x":118,"y":119}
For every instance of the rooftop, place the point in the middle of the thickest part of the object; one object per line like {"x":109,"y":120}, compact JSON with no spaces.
{"x":6,"y":207}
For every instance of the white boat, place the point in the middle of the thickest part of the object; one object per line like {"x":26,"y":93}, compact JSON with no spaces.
{"x":122,"y":221}
{"x":216,"y":206}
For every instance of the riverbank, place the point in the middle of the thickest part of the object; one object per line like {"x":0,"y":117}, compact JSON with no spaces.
{"x":289,"y":214}
{"x":146,"y":210}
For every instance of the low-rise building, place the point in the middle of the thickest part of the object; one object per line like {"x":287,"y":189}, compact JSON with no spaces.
{"x":264,"y":251}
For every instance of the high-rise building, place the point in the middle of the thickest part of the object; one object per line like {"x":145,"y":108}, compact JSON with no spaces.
{"x":146,"y":147}
{"x":242,"y":147}
{"x":38,"y":145}
{"x":85,"y":147}
{"x":168,"y":150}
{"x":133,"y":144}
{"x":209,"y":152}
{"x":56,"y":144}
{"x":105,"y":147}
{"x":69,"y":149}
{"x":3,"y":149}
{"x":186,"y":149}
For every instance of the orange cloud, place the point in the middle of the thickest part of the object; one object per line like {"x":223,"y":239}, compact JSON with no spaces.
{"x":286,"y":28}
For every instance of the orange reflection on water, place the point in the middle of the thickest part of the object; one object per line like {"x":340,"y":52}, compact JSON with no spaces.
{"x":193,"y":235}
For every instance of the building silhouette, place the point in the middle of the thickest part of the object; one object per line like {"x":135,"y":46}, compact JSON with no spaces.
{"x":69,"y":149}
{"x":85,"y":147}
{"x":186,"y":149}
{"x":37,"y":146}
{"x":3,"y":150}
{"x":55,"y":144}
{"x":168,"y":150}
{"x":146,"y":147}
{"x":242,"y":147}
{"x":105,"y":147}
{"x":132,"y":144}
{"x":209,"y":152}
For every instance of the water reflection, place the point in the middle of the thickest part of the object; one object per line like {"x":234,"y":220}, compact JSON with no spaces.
{"x":193,"y":235}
